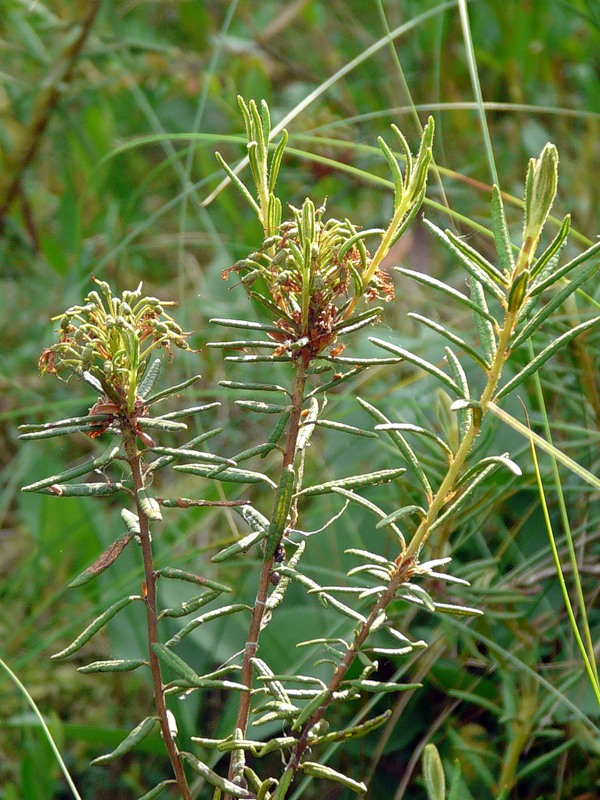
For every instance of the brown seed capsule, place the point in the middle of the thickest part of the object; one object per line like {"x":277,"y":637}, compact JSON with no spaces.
{"x":275,"y":578}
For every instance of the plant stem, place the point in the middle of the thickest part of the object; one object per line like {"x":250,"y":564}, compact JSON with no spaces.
{"x":444,"y":493}
{"x":407,"y":560}
{"x":401,"y":575}
{"x":259,"y":609}
{"x":149,"y":594}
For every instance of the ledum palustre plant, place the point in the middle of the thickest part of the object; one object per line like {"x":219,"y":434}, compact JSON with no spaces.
{"x":317,"y":280}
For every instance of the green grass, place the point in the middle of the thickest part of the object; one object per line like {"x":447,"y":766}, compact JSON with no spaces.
{"x":117,"y":189}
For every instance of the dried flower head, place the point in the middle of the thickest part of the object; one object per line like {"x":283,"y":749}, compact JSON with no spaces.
{"x":312,"y":270}
{"x":110,"y":339}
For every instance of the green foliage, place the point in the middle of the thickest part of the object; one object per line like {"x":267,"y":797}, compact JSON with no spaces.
{"x":97,"y":194}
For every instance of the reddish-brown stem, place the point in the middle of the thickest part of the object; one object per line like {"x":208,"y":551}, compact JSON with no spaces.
{"x":401,"y":575}
{"x":149,"y":594}
{"x":258,"y":611}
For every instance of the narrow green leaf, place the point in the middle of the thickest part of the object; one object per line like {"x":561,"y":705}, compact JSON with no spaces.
{"x":215,"y":780}
{"x":114,"y":665}
{"x":485,"y":266}
{"x":518,"y":291}
{"x":374,"y":557}
{"x":131,"y":520}
{"x":108,"y":557}
{"x":400,"y":513}
{"x":342,"y":607}
{"x":546,"y":761}
{"x":261,"y":408}
{"x":246,"y":325}
{"x":456,"y":788}
{"x":91,"y":381}
{"x":418,"y":362}
{"x":501,"y":233}
{"x":158,"y":790}
{"x":86,"y":422}
{"x":343,"y":428}
{"x":149,"y":504}
{"x":276,"y":160}
{"x":189,"y":606}
{"x":366,"y":316}
{"x":383,"y":687}
{"x":336,"y":381}
{"x":259,"y":359}
{"x":254,"y":387}
{"x":459,"y":375}
{"x":485,"y":329}
{"x":164,"y":461}
{"x":433,"y":772}
{"x":242,"y":344}
{"x":547,"y":353}
{"x":256,"y":520}
{"x":182,"y":452}
{"x":354,"y":482}
{"x":161,"y":424}
{"x":478,"y":700}
{"x":82,"y":489}
{"x":408,"y":427}
{"x":188,"y":412}
{"x":465,"y":497}
{"x":452,"y":337}
{"x":427,"y":280}
{"x":416,"y":595}
{"x":259,"y":450}
{"x":206,"y":683}
{"x":229,"y":475}
{"x":150,"y":377}
{"x":279,"y":428}
{"x":190,"y":577}
{"x":224,"y":611}
{"x":239,"y":185}
{"x":471,"y":260}
{"x":281,"y":510}
{"x":285,"y":781}
{"x":174,"y":662}
{"x":545,"y":263}
{"x":310,"y":708}
{"x":272,"y":307}
{"x":550,"y":307}
{"x":502,"y":460}
{"x":356,"y":731}
{"x":559,"y":274}
{"x":540,"y":190}
{"x":266,"y":676}
{"x":241,"y":546}
{"x":134,"y":738}
{"x":360,"y":362}
{"x":460,"y":611}
{"x":397,"y":176}
{"x":95,"y":626}
{"x":316,"y":770}
{"x":171,"y":390}
{"x":74,"y":472}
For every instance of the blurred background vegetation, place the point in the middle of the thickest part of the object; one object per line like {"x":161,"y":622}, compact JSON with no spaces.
{"x":110,"y":113}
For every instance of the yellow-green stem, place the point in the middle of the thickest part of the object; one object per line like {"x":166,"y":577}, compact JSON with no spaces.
{"x":380,"y":253}
{"x":443,"y":494}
